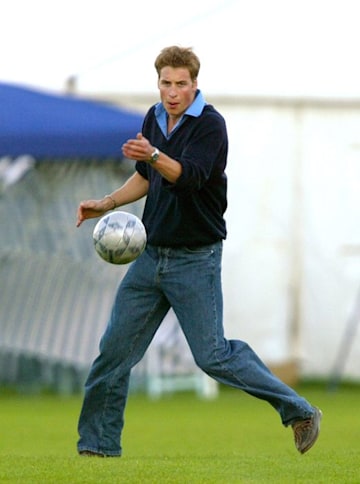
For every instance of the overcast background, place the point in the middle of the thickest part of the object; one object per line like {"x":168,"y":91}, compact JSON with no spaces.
{"x":247,"y":47}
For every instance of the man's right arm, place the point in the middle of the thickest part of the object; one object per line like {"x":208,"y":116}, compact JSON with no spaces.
{"x":132,"y":190}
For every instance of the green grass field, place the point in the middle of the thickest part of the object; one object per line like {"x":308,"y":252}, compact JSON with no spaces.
{"x":182,"y":439}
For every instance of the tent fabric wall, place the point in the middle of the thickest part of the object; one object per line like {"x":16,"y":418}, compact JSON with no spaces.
{"x":55,"y":290}
{"x":292,"y":257}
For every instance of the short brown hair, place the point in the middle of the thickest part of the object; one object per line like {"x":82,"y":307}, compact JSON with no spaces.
{"x":176,"y":56}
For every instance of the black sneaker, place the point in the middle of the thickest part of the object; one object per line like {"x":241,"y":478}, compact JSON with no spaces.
{"x":307,"y":431}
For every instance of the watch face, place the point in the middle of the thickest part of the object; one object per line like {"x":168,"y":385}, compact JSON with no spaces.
{"x":155,"y":155}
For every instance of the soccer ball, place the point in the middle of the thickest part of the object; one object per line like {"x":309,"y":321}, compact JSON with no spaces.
{"x":119,"y":237}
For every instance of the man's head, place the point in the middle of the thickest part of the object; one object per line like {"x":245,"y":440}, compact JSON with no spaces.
{"x":177,"y":68}
{"x":178,"y":57}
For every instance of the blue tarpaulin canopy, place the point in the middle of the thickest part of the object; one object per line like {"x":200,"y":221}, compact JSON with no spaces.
{"x":61,"y":126}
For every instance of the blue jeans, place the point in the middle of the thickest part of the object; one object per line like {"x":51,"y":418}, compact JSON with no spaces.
{"x":188,"y":280}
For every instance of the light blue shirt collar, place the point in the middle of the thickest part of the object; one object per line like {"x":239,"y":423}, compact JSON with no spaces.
{"x":195,"y":109}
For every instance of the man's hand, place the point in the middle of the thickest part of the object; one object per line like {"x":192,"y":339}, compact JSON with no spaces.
{"x":138,"y":149}
{"x":92,"y":209}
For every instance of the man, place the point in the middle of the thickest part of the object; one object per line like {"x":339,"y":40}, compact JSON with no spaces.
{"x":180,"y":167}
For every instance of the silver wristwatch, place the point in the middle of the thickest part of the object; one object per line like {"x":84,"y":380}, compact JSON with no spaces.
{"x":154,"y":156}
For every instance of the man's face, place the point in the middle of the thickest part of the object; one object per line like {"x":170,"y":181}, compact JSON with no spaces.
{"x":177,"y":90}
